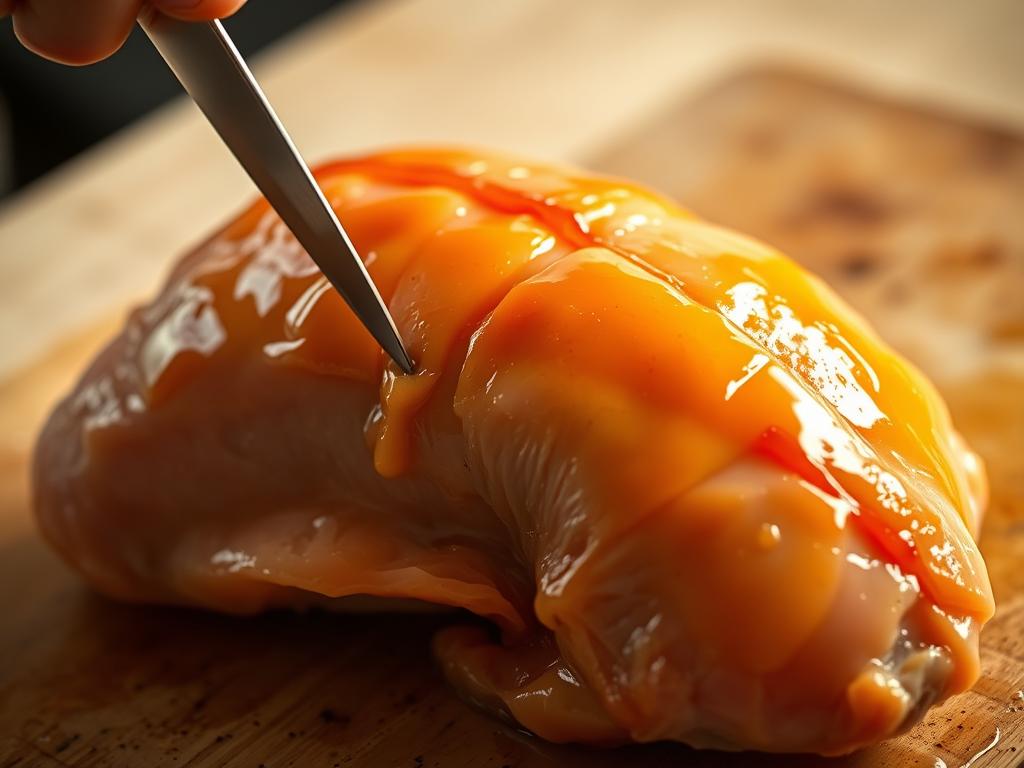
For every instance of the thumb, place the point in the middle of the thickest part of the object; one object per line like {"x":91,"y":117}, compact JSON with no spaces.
{"x":73,"y":31}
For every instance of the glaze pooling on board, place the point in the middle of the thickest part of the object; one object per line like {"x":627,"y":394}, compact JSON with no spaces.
{"x":699,"y":497}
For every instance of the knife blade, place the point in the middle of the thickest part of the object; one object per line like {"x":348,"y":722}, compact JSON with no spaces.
{"x":210,"y":68}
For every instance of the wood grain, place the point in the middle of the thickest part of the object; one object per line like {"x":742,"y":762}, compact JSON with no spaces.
{"x":914,"y":216}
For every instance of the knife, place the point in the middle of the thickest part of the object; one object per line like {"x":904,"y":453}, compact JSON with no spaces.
{"x":205,"y":60}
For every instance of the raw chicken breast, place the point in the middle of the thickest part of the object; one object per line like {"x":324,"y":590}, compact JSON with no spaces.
{"x":697,"y":496}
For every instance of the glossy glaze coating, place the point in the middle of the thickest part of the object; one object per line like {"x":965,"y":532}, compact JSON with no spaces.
{"x":700,"y":499}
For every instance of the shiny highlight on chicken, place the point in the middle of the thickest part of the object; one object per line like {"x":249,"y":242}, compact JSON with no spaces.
{"x":694,"y":494}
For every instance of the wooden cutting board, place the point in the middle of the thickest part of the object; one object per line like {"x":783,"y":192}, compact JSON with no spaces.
{"x":915,"y":217}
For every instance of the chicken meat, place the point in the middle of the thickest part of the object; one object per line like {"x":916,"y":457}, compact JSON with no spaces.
{"x":693,"y":492}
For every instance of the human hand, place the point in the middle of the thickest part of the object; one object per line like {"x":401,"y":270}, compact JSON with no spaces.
{"x":85,"y":31}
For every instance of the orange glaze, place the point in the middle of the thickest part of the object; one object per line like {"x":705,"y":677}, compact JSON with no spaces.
{"x":701,"y":499}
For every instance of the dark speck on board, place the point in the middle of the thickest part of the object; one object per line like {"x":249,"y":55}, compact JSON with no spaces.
{"x":858,"y":264}
{"x":846,"y":205}
{"x":329,"y":716}
{"x":67,"y":742}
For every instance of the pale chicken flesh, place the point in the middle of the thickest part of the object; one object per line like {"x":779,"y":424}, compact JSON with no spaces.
{"x":699,"y":499}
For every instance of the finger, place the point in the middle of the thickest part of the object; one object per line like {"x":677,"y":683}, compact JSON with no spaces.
{"x":73,"y":31}
{"x":6,"y":7}
{"x":198,"y":10}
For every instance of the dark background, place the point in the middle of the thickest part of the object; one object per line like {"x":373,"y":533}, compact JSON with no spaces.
{"x":53,"y":112}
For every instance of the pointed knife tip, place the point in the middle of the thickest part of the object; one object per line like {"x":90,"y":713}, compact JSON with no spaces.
{"x":401,"y":358}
